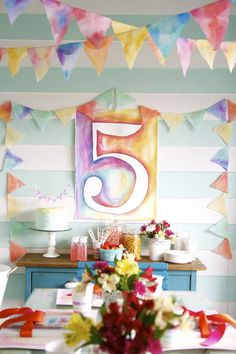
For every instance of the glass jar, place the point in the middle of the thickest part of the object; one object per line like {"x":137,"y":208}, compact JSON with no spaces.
{"x":132,"y":243}
{"x":113,"y":233}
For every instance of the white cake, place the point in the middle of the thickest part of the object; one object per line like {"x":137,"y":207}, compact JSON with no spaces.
{"x":51,"y":219}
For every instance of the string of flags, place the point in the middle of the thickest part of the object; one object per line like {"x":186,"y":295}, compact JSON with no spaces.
{"x":224,"y":111}
{"x":162,"y":36}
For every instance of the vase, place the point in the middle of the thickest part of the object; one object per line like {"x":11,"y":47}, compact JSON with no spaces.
{"x":167,"y":244}
{"x":82,"y":300}
{"x":156,"y":250}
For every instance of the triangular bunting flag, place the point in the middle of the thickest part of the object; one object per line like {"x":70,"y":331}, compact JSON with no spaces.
{"x":98,"y":56}
{"x":5,"y":111}
{"x":219,"y":204}
{"x":119,"y":27}
{"x":185,"y":48}
{"x":41,"y":118}
{"x":222,"y":158}
{"x":59,"y":16}
{"x":224,"y":249}
{"x":220,"y":110}
{"x":19,"y":112}
{"x":221,"y":228}
{"x":231,"y":111}
{"x":13,"y":183}
{"x":166,"y":31}
{"x":207,"y":52}
{"x":224,"y":131}
{"x":68,"y":55}
{"x":221,"y":183}
{"x":195,"y":118}
{"x":15,"y":8}
{"x":89,"y":109}
{"x":147,"y":113}
{"x":132,"y":42}
{"x":16,"y":251}
{"x":65,"y":114}
{"x":229,"y":50}
{"x":40,"y":59}
{"x":92,"y":26}
{"x":172,"y":120}
{"x":12,"y":135}
{"x":15,"y":57}
{"x":17,"y":229}
{"x":156,"y":50}
{"x":14,"y":207}
{"x":213,"y":20}
{"x":2,"y":53}
{"x":115,"y":99}
{"x":11,"y":161}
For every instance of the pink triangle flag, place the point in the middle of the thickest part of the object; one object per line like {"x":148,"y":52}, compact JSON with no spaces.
{"x":224,"y":249}
{"x":221,"y":183}
{"x":16,"y":251}
{"x":229,"y":50}
{"x":213,"y":20}
{"x":15,"y":8}
{"x":185,"y":48}
{"x":13,"y":183}
{"x":2,"y":53}
{"x":59,"y":16}
{"x":92,"y":26}
{"x":40,"y":59}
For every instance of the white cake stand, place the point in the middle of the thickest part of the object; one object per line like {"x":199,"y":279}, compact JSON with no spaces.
{"x":51,"y":250}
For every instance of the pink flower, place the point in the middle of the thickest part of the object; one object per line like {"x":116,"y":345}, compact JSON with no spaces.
{"x":139,"y":288}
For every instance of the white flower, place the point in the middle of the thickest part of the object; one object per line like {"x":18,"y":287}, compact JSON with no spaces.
{"x":109,"y":282}
{"x":151,"y":228}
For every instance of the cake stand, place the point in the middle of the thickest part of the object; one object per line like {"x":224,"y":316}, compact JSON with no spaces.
{"x":51,"y":250}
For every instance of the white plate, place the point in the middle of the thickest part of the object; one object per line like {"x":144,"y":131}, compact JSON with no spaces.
{"x":178,"y":256}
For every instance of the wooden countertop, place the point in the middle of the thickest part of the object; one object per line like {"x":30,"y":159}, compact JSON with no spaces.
{"x":37,"y":260}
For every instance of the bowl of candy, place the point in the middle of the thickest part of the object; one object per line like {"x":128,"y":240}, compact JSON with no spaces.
{"x":109,"y":251}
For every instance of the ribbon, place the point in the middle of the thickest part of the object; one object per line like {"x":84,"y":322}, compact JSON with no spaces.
{"x":24,"y":314}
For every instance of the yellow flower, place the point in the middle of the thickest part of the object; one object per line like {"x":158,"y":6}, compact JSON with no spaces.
{"x":127,"y":266}
{"x":80,"y":330}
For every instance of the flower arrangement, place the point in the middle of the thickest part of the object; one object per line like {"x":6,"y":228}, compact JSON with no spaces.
{"x":132,"y":325}
{"x":158,"y":230}
{"x":124,"y":275}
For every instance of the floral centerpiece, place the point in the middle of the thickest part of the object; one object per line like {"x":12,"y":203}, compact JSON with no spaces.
{"x":131,"y":326}
{"x":158,"y":230}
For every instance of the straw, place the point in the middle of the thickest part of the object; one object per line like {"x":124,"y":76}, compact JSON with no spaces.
{"x":91,"y":234}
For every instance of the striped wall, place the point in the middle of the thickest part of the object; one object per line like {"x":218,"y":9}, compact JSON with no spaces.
{"x":185,"y":170}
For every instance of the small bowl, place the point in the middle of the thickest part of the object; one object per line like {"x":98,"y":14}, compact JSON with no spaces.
{"x":110,"y":255}
{"x":177,"y":256}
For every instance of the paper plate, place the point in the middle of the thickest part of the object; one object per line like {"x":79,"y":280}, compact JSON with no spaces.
{"x":178,"y":256}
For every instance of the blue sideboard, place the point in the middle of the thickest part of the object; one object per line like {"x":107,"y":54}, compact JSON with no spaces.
{"x":41,"y":272}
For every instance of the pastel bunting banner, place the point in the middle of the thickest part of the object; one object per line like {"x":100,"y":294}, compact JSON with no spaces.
{"x":11,"y":161}
{"x":15,"y":57}
{"x":172,"y":120}
{"x":229,"y":50}
{"x":50,"y":198}
{"x":15,"y":8}
{"x":13,"y":183}
{"x":98,"y":56}
{"x":40,"y":59}
{"x":213,"y":20}
{"x":220,"y":110}
{"x":20,"y":112}
{"x":221,"y":183}
{"x":68,"y":55}
{"x":59,"y":16}
{"x":156,"y":50}
{"x":5,"y":111}
{"x":224,"y":131}
{"x":12,"y":135}
{"x":231,"y":111}
{"x":2,"y":53}
{"x":206,"y":51}
{"x":195,"y":118}
{"x":219,"y":204}
{"x":17,"y":229}
{"x":185,"y":48}
{"x":120,"y":27}
{"x":65,"y":114}
{"x":224,"y":249}
{"x":222,"y":158}
{"x":16,"y":251}
{"x":166,"y":31}
{"x":41,"y":118}
{"x":92,"y":26}
{"x":14,"y":206}
{"x":221,"y":228}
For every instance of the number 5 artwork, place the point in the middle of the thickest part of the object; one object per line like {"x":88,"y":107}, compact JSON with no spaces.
{"x":115,"y":160}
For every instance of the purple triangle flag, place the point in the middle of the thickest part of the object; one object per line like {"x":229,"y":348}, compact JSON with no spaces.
{"x":220,"y":110}
{"x":222,"y":158}
{"x":15,"y":8}
{"x":11,"y":161}
{"x":68,"y":54}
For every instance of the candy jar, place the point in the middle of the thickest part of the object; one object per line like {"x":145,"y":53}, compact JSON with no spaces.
{"x":132,"y":243}
{"x":114,"y":233}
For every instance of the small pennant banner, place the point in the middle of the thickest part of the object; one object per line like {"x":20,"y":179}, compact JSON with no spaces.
{"x":5,"y":111}
{"x":229,"y":50}
{"x":206,"y":51}
{"x":219,"y":204}
{"x":195,"y":118}
{"x":185,"y":48}
{"x":65,"y":114}
{"x":12,"y":135}
{"x":14,"y":207}
{"x":13,"y":183}
{"x":11,"y":160}
{"x":15,"y":57}
{"x":224,"y":249}
{"x":231,"y":111}
{"x":17,"y":229}
{"x":221,"y":183}
{"x":172,"y":120}
{"x":224,"y":131}
{"x":16,"y":251}
{"x":221,"y":228}
{"x":15,"y":8}
{"x":219,"y":110}
{"x":41,"y":118}
{"x":68,"y":55}
{"x":222,"y":158}
{"x":19,"y":112}
{"x":40,"y":59}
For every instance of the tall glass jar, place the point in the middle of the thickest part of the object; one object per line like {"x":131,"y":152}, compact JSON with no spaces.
{"x":132,"y":243}
{"x":114,"y":233}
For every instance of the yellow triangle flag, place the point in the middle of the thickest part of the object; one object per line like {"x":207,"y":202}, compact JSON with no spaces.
{"x":14,"y":207}
{"x":15,"y":57}
{"x":119,"y":27}
{"x":156,"y":50}
{"x":206,"y":51}
{"x":219,"y":204}
{"x":12,"y":135}
{"x":40,"y":58}
{"x":98,"y":56}
{"x":65,"y":114}
{"x":224,"y":131}
{"x":172,"y":120}
{"x":132,"y":42}
{"x":229,"y":50}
